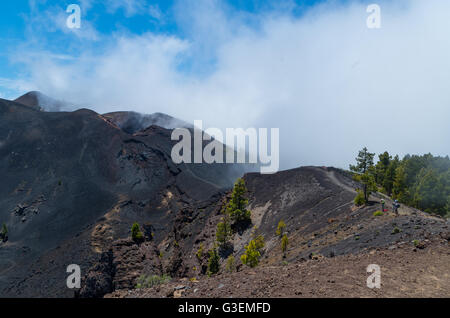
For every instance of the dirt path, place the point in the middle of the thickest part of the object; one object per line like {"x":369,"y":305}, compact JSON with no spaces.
{"x":376,"y":197}
{"x":332,"y":176}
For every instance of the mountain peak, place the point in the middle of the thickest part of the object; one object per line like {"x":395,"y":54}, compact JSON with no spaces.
{"x":39,"y":100}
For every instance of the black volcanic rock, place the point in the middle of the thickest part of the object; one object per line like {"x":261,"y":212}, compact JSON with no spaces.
{"x":73,"y":183}
{"x":119,"y":268}
{"x":41,"y":101}
{"x":316,"y":203}
{"x":132,"y":122}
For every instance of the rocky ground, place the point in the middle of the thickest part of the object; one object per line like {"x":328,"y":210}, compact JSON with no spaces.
{"x":406,"y":271}
{"x":331,"y":243}
{"x":75,"y":182}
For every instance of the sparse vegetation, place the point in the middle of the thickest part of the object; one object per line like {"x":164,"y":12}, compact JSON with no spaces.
{"x":145,"y":281}
{"x":284,"y":244}
{"x":200,"y":250}
{"x":359,"y":199}
{"x":4,"y":233}
{"x":136,"y":233}
{"x":224,"y":232}
{"x":230,"y":266}
{"x":396,"y":230}
{"x":378,"y":213}
{"x":213,"y":261}
{"x":253,"y":252}
{"x":280,"y":228}
{"x":259,"y":241}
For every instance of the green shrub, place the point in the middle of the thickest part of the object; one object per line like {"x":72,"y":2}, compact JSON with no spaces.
{"x":231,"y":264}
{"x":359,"y":199}
{"x":199,"y":253}
{"x":416,"y":243}
{"x":136,"y":233}
{"x":284,"y":244}
{"x":252,"y":252}
{"x":145,"y":281}
{"x":280,"y":228}
{"x":396,"y":230}
{"x":213,"y":261}
{"x":224,"y":232}
{"x":378,"y":213}
{"x":259,"y":241}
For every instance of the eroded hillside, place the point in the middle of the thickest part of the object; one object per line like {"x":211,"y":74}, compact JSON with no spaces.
{"x":329,"y":238}
{"x":74,"y":182}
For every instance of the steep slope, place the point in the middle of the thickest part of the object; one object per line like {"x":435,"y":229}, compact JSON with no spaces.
{"x":323,"y":225}
{"x":132,"y":122}
{"x":74,"y":182}
{"x":316,"y":204}
{"x":41,"y":101}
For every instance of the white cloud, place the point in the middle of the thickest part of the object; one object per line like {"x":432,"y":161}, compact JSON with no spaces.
{"x":41,"y":22}
{"x":155,"y":12}
{"x":328,"y":82}
{"x":131,"y":7}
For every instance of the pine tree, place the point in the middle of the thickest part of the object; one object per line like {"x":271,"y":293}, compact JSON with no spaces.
{"x":429,"y":192}
{"x":236,"y":208}
{"x":280,"y":228}
{"x":251,"y":255}
{"x":259,"y":242}
{"x":136,"y":233}
{"x":213,"y":261}
{"x":363,"y":162}
{"x":382,"y":166}
{"x":365,"y":172}
{"x":399,"y":188}
{"x":284,"y":244}
{"x":224,"y":232}
{"x":389,"y":176}
{"x":230,"y":265}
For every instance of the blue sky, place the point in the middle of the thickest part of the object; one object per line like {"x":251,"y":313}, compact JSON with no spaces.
{"x":33,"y":25}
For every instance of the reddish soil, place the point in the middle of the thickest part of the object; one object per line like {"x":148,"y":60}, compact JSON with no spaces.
{"x":406,"y":271}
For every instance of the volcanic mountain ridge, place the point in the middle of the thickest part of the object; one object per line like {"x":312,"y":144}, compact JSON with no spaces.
{"x":73,"y":183}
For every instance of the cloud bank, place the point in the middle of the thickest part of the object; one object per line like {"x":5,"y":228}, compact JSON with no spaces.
{"x":328,"y":82}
